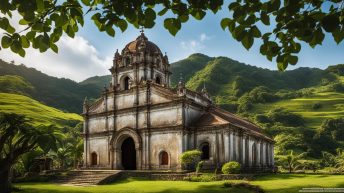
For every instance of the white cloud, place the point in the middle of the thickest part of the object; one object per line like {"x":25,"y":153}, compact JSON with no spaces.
{"x":203,"y":37}
{"x":77,"y":59}
{"x":192,"y":46}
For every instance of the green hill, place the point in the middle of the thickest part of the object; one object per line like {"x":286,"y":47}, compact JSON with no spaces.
{"x":188,"y":67}
{"x":60,"y":93}
{"x":39,"y":113}
{"x":15,"y":84}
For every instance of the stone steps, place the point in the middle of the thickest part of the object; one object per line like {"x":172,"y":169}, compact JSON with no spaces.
{"x":86,"y":178}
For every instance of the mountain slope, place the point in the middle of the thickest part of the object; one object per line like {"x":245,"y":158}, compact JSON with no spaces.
{"x":60,"y":93}
{"x":15,"y":84}
{"x":39,"y":113}
{"x":227,"y":79}
{"x":188,"y":67}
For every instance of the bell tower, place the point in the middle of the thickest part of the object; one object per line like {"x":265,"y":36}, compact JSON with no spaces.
{"x":140,"y":60}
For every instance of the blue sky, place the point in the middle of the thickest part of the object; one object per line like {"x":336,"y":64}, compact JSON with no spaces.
{"x":91,"y":52}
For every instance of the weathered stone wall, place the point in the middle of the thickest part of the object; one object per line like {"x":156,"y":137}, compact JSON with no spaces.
{"x":169,"y":142}
{"x":99,"y":145}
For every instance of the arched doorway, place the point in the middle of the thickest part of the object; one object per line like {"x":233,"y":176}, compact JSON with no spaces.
{"x":205,"y":151}
{"x":128,"y":154}
{"x":94,"y":159}
{"x":163,"y":158}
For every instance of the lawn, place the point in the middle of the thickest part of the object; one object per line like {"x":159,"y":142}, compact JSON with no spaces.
{"x":133,"y":186}
{"x":285,"y":183}
{"x":281,"y":183}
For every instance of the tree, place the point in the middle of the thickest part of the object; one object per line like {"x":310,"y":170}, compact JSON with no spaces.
{"x":17,"y":137}
{"x":290,"y":161}
{"x":294,"y":20}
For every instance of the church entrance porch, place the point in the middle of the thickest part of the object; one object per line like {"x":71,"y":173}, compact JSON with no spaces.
{"x":128,"y":154}
{"x":126,"y":150}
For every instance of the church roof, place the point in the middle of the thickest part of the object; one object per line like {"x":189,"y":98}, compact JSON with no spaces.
{"x":209,"y":119}
{"x":142,"y":40}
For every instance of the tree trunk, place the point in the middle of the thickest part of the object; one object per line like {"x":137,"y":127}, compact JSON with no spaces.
{"x":5,"y":184}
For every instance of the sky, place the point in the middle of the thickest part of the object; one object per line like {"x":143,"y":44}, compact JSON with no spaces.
{"x":91,"y":52}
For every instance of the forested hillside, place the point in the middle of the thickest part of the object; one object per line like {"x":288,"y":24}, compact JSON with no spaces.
{"x":60,"y":93}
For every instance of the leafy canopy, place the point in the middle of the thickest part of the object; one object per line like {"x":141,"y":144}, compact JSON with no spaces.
{"x":295,"y":21}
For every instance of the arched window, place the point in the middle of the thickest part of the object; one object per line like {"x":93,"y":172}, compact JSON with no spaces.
{"x":205,"y":151}
{"x":126,"y":83}
{"x":163,"y":158}
{"x":94,"y":159}
{"x":127,"y":61}
{"x":158,"y":80}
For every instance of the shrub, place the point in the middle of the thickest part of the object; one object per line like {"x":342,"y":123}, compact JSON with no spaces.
{"x":189,"y":159}
{"x":232,"y":167}
{"x":201,"y":178}
{"x":199,"y":166}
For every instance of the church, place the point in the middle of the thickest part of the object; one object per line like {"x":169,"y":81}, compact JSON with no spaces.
{"x":141,"y":123}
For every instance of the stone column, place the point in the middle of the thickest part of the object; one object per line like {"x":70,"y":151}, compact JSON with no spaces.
{"x":226,"y":146}
{"x":231,"y":145}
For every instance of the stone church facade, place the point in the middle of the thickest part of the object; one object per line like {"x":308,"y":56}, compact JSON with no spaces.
{"x":141,"y":123}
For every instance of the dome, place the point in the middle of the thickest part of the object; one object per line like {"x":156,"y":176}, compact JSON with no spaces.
{"x":141,"y":42}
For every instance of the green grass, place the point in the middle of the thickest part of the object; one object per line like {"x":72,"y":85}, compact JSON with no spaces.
{"x":332,"y":106}
{"x":285,"y":183}
{"x":280,"y":183}
{"x":39,"y":113}
{"x":133,"y":186}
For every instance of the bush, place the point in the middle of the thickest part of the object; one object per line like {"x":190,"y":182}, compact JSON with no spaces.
{"x":201,"y":178}
{"x":232,"y":167}
{"x":189,"y":159}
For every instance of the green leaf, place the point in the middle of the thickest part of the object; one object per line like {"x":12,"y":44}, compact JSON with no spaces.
{"x":21,"y":52}
{"x":233,"y":5}
{"x":15,"y":46}
{"x":183,"y":18}
{"x":4,"y":23}
{"x":247,"y":41}
{"x":292,"y":59}
{"x":198,"y":13}
{"x":150,"y":14}
{"x":122,"y":24}
{"x":31,"y":35}
{"x":255,"y":32}
{"x":163,"y":11}
{"x":338,"y":34}
{"x":23,"y":22}
{"x":265,"y":18}
{"x":6,"y":42}
{"x":24,"y":41}
{"x":110,"y":31}
{"x":172,"y":25}
{"x":86,"y":2}
{"x":282,"y":66}
{"x":330,"y":22}
{"x":40,"y":5}
{"x":54,"y":48}
{"x":70,"y":32}
{"x":225,"y":22}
